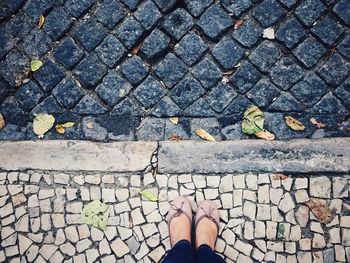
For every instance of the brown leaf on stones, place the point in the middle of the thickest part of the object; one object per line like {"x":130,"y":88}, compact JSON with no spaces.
{"x":294,"y":124}
{"x":279,"y":176}
{"x":319,"y":125}
{"x":238,"y":24}
{"x":136,"y":49}
{"x":131,"y":222}
{"x":2,"y":122}
{"x":205,"y":135}
{"x":23,"y":77}
{"x":175,"y":138}
{"x":266,"y":135}
{"x":41,"y":21}
{"x":321,"y":211}
{"x":174,"y":120}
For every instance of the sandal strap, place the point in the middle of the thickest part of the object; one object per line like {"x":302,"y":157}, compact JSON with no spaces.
{"x":178,"y":212}
{"x":209,"y":216}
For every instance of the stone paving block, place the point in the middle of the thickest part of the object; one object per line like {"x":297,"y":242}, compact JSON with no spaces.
{"x":67,"y":93}
{"x":103,"y":51}
{"x":90,"y":71}
{"x":148,"y":14}
{"x":88,"y":105}
{"x":342,"y":92}
{"x":197,"y":7}
{"x":220,"y":96}
{"x":89,"y":34}
{"x":263,"y":93}
{"x":329,"y":104}
{"x":113,"y":88}
{"x":247,"y":34}
{"x":134,"y":69}
{"x":290,"y":32}
{"x":237,"y":7}
{"x":166,"y":107}
{"x":200,"y":108}
{"x":37,"y":44}
{"x":110,"y":13}
{"x":328,"y":30}
{"x":186,"y":92}
{"x":130,"y":31}
{"x":265,"y":55}
{"x":286,"y":73}
{"x":309,"y":90}
{"x":68,"y":53}
{"x":28,"y":95}
{"x":127,"y":107}
{"x":207,"y":73}
{"x":132,"y":4}
{"x":34,"y":8}
{"x":223,"y":53}
{"x":287,"y":102}
{"x":178,"y":23}
{"x":342,"y":10}
{"x":268,"y":12}
{"x":245,"y":77}
{"x":214,"y":21}
{"x":309,"y":52}
{"x":149,"y":92}
{"x":77,"y":7}
{"x":49,"y":75}
{"x":334,"y":71}
{"x":309,"y":11}
{"x":156,"y":43}
{"x":171,"y":69}
{"x":57,"y":23}
{"x":190,"y":48}
{"x":344,"y":47}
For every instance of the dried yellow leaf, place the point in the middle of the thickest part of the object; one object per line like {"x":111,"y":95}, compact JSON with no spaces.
{"x":319,"y":125}
{"x":174,"y":120}
{"x":175,"y":138}
{"x":266,"y":135}
{"x":205,"y":135}
{"x":2,"y":122}
{"x":68,"y":124}
{"x":294,"y":124}
{"x":321,"y":210}
{"x":42,"y":123}
{"x":60,"y":129}
{"x":279,"y":177}
{"x":41,"y":21}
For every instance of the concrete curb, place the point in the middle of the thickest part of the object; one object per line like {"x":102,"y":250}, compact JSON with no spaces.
{"x":296,"y":156}
{"x":76,"y":155}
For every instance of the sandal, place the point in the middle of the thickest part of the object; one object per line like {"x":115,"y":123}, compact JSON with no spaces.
{"x":208,"y":209}
{"x":180,"y":205}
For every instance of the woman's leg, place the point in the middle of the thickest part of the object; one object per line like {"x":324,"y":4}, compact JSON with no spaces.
{"x":206,"y":255}
{"x":182,"y":252}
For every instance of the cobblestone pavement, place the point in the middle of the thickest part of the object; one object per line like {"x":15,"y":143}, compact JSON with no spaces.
{"x":195,"y":61}
{"x":261,"y":218}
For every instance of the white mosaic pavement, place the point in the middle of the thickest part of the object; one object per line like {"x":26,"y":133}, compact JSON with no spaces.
{"x":262,"y":218}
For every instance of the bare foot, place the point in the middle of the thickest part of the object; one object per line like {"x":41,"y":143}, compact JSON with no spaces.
{"x":180,"y":229}
{"x":206,"y":233}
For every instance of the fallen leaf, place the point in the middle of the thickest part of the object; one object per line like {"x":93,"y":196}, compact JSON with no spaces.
{"x":96,"y":214}
{"x":225,"y":80}
{"x":266,"y":135}
{"x":35,"y":65}
{"x":228,"y":72}
{"x":175,"y":138}
{"x":23,"y":77}
{"x":294,"y":124}
{"x":238,"y":24}
{"x":269,"y":33}
{"x":2,"y":122}
{"x":42,"y":123}
{"x":174,"y":120}
{"x":319,"y":125}
{"x":41,"y":21}
{"x":316,"y":255}
{"x":131,"y":222}
{"x":253,"y":120}
{"x":61,"y":128}
{"x":136,"y":49}
{"x":150,"y":196}
{"x":321,"y":211}
{"x":279,"y":177}
{"x":281,"y":229}
{"x":205,"y":135}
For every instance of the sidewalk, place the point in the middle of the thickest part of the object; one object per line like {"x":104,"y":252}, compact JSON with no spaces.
{"x":264,"y":215}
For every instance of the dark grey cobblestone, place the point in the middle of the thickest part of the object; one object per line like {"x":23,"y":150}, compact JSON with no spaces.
{"x":120,"y":69}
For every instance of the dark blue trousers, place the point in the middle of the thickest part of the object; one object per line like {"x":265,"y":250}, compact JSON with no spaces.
{"x":183,"y":252}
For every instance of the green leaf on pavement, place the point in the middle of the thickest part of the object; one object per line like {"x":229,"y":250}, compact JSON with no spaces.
{"x":149,"y":195}
{"x":96,"y":214}
{"x":253,"y":120}
{"x":281,"y":229}
{"x":35,"y":65}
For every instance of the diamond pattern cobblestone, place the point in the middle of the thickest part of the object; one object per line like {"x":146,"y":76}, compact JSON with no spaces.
{"x":100,"y":54}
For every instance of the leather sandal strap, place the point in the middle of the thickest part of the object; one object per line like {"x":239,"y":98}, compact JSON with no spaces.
{"x":205,"y":215}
